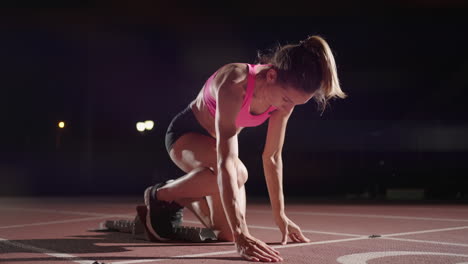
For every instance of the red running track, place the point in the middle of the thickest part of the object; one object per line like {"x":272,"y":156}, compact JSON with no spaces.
{"x":59,"y":230}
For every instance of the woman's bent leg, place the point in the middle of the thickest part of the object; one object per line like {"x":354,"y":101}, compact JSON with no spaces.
{"x":196,"y":155}
{"x":195,"y":184}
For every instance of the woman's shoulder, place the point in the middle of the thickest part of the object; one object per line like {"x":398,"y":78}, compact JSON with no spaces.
{"x":232,"y":73}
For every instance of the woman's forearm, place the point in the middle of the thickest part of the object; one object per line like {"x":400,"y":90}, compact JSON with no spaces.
{"x":273,"y":169}
{"x":229,"y":193}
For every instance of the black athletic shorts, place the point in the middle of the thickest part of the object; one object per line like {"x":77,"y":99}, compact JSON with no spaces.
{"x":183,"y":123}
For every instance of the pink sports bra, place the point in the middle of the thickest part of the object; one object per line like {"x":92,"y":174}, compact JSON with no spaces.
{"x":244,"y":118}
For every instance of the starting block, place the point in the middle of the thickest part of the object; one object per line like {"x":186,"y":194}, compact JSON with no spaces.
{"x":195,"y":234}
{"x":136,"y":227}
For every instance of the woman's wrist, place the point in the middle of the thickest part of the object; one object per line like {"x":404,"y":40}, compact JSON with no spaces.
{"x":279,"y":214}
{"x":238,"y":233}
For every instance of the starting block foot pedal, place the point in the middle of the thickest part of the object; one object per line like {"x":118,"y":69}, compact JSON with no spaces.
{"x":195,"y":234}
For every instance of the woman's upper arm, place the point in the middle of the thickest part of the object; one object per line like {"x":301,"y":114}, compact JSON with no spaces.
{"x":229,"y":98}
{"x":276,"y":133}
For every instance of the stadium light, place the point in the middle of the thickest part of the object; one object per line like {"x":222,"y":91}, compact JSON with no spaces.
{"x":149,"y":124}
{"x":140,"y":126}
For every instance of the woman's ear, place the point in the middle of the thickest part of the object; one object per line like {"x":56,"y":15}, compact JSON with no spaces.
{"x":271,"y":76}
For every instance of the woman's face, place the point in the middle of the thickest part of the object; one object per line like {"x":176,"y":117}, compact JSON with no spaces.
{"x":284,"y":96}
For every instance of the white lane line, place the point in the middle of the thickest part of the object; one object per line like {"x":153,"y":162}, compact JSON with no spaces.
{"x":60,"y":211}
{"x":442,"y":209}
{"x":253,"y":211}
{"x":308,"y":231}
{"x":368,"y":216}
{"x":55,"y":222}
{"x":426,"y":241}
{"x":270,"y":228}
{"x":100,"y":215}
{"x":363,"y":258}
{"x":321,"y":242}
{"x":234,"y":251}
{"x":46,"y":252}
{"x":303,"y":230}
{"x":426,"y":231}
{"x":131,"y":216}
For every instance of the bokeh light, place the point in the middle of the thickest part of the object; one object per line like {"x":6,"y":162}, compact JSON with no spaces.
{"x":140,"y":126}
{"x":149,"y":124}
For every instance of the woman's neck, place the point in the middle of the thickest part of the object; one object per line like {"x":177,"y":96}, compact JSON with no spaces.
{"x":260,"y":88}
{"x":260,"y":92}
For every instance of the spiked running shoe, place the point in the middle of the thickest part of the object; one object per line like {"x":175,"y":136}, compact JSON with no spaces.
{"x":185,"y":233}
{"x":162,"y":217}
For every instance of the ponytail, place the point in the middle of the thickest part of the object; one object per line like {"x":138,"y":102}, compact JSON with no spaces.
{"x":308,"y":66}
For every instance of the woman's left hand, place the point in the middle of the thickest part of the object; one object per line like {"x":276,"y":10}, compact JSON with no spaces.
{"x":289,"y":228}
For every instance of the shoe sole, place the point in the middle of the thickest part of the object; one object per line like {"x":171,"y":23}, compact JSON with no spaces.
{"x":149,"y":228}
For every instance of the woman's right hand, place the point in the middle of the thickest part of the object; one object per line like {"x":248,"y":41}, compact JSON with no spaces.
{"x":254,"y":249}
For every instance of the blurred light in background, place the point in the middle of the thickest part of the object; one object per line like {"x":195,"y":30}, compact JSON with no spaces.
{"x":61,"y":124}
{"x":140,"y":126}
{"x":149,"y":124}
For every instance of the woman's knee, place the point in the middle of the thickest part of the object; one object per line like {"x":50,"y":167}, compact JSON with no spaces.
{"x":242,"y":173}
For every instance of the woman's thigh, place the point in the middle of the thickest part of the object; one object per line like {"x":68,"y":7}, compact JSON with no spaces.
{"x":193,"y":151}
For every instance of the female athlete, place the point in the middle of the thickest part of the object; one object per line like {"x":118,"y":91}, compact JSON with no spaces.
{"x":202,"y":141}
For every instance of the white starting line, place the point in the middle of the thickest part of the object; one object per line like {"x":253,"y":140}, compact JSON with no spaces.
{"x":362,"y":258}
{"x":369,"y":216}
{"x":233,"y":251}
{"x":46,"y":252}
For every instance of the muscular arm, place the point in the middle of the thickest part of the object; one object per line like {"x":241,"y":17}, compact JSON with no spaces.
{"x":229,"y":102}
{"x":272,"y":160}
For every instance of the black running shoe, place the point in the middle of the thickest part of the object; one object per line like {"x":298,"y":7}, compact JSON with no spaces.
{"x":162,"y":217}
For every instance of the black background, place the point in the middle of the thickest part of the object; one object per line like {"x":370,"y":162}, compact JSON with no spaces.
{"x":103,"y":67}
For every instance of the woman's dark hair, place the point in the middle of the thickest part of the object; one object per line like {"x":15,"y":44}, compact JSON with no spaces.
{"x":308,"y":66}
